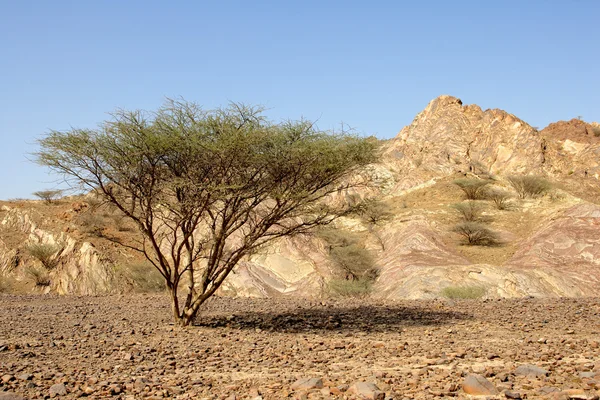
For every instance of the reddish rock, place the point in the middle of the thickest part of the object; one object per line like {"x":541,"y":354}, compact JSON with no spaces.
{"x":477,"y":385}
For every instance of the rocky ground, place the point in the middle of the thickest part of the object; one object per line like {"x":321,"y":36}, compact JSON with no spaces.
{"x":126,"y":347}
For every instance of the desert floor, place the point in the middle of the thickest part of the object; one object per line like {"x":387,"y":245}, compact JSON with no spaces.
{"x":127,"y":347}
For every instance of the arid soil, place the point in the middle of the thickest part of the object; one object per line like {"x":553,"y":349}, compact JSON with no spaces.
{"x":126,"y":347}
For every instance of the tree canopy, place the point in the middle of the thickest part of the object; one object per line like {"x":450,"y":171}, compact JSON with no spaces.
{"x":207,"y":188}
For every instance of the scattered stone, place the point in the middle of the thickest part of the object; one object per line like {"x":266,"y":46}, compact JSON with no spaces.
{"x":307,"y":384}
{"x":10,"y":396}
{"x":477,"y":385}
{"x":7,"y":378}
{"x":509,"y":394}
{"x":531,"y":370}
{"x":58,"y":389}
{"x":366,"y":390}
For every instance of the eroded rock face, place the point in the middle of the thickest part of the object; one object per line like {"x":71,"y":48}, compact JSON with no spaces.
{"x":449,"y":137}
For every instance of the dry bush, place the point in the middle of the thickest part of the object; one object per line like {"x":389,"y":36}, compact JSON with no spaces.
{"x":374,"y":211}
{"x":49,"y":196}
{"x":337,"y":237}
{"x":477,"y":234}
{"x":44,"y":253}
{"x":349,"y":288}
{"x":472,"y":187}
{"x":463,"y":292}
{"x":91,"y":223}
{"x":529,"y":185}
{"x":40,"y":276}
{"x":355,"y":261}
{"x":5,"y":284}
{"x":596,"y":131}
{"x":470,"y":210}
{"x":143,"y":277}
{"x":500,"y":198}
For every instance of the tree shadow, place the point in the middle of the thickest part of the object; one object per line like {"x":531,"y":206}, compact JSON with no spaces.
{"x":353,"y":318}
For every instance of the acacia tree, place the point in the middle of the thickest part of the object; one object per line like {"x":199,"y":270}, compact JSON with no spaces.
{"x":207,"y":188}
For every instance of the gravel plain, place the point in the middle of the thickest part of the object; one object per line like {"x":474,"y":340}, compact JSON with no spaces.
{"x":127,"y":347}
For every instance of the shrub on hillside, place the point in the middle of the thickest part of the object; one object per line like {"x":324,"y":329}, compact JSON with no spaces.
{"x":40,"y":276}
{"x":48,"y":196}
{"x":349,"y":288}
{"x":355,"y":261}
{"x":143,"y":277}
{"x":529,"y":185}
{"x":470,"y":210}
{"x":374,"y":211}
{"x":472,"y":187}
{"x":44,"y":253}
{"x":500,"y":198}
{"x":463,"y":292}
{"x":477,"y":234}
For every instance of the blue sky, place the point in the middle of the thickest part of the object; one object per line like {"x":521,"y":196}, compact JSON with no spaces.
{"x":372,"y":65}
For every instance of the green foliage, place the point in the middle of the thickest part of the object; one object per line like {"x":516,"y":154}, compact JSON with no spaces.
{"x":349,"y":288}
{"x":463,"y":292}
{"x":44,"y":253}
{"x":500,"y":198}
{"x":470,"y":210}
{"x":230,"y":171}
{"x":143,"y":277}
{"x":374,"y":211}
{"x":356,"y":262}
{"x":472,"y":187}
{"x":337,"y":237}
{"x":40,"y":276}
{"x":48,"y":196}
{"x":529,"y":185}
{"x":477,"y":234}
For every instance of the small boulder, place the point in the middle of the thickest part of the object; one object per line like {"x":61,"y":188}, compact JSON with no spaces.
{"x":531,"y":370}
{"x":307,"y":384}
{"x":477,"y":385}
{"x":366,"y":390}
{"x":58,"y":389}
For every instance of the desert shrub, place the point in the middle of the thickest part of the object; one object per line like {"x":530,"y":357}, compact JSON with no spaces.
{"x":143,"y":277}
{"x":48,"y":196}
{"x":472,"y":187}
{"x":349,"y":288}
{"x":529,"y":185}
{"x":337,"y":237}
{"x":463,"y":292}
{"x":5,"y":284}
{"x":500,"y":198}
{"x":470,"y":210}
{"x":120,"y":223}
{"x":40,"y":276}
{"x":91,"y":223}
{"x":355,"y":261}
{"x":477,"y":234}
{"x":374,"y":211}
{"x":44,"y":253}
{"x":596,"y":131}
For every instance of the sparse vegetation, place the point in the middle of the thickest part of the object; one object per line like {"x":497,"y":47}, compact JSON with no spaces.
{"x":463,"y":292}
{"x":48,"y":196}
{"x":500,"y":198}
{"x":374,"y":211}
{"x":472,"y":187}
{"x":143,"y":277}
{"x":596,"y":130}
{"x":469,"y":210}
{"x":355,"y":261}
{"x":91,"y":223}
{"x":5,"y":284}
{"x":477,"y":234}
{"x":349,"y":288}
{"x":40,"y":276}
{"x":44,"y":253}
{"x":529,"y":185}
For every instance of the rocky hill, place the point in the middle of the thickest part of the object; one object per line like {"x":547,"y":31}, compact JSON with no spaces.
{"x":547,"y":245}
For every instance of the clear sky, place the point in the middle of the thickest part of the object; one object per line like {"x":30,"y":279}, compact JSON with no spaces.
{"x":370,"y":64}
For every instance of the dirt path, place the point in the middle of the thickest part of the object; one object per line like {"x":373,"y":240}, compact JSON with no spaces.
{"x":125,"y":347}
